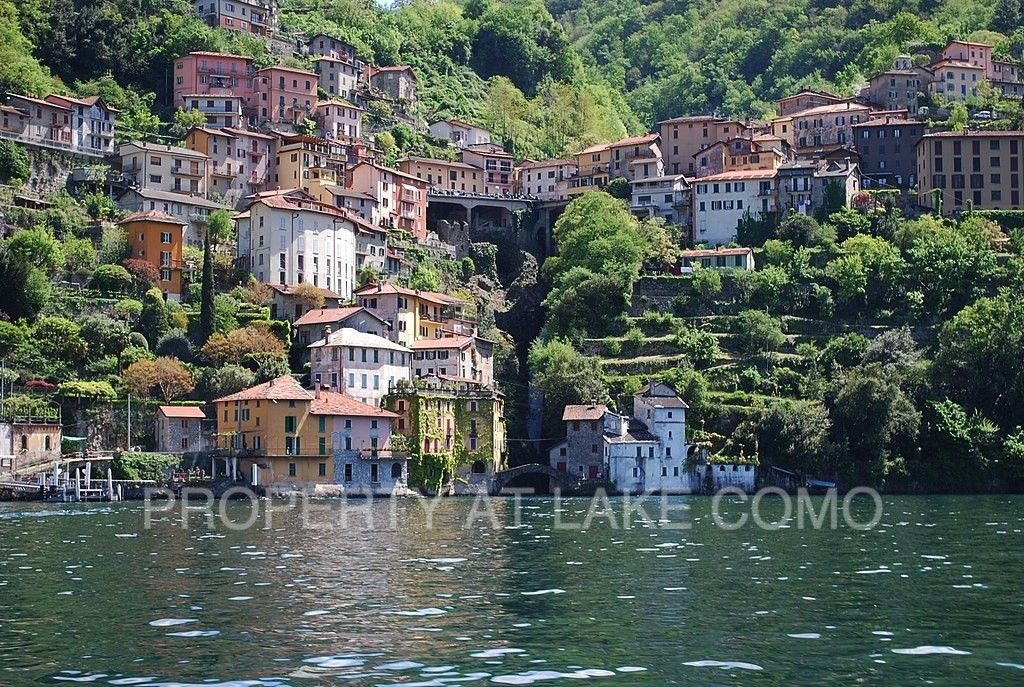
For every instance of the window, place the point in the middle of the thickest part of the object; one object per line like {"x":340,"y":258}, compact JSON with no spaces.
{"x":374,"y":472}
{"x":396,"y":471}
{"x":291,"y":470}
{"x":322,"y":446}
{"x":289,"y":423}
{"x":348,"y":472}
{"x":322,"y":469}
{"x":321,"y":424}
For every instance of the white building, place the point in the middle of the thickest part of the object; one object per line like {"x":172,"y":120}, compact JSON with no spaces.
{"x":291,"y":239}
{"x":464,"y":357}
{"x":667,"y":197}
{"x":92,"y":123}
{"x":546,"y":179}
{"x":720,"y":201}
{"x":648,"y":451}
{"x":340,"y":78}
{"x":159,"y":167}
{"x":219,"y":110}
{"x":459,"y":133}
{"x":363,"y":366}
{"x":339,"y":120}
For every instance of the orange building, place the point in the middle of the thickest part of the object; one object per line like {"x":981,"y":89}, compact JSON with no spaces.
{"x":157,"y":238}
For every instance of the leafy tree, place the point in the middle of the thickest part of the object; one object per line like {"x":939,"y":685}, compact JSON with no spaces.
{"x":850,"y":279}
{"x":242,"y":346}
{"x":425,"y":278}
{"x":951,"y":268}
{"x":169,"y":375}
{"x":564,"y":376}
{"x":620,"y":188}
{"x":796,"y":436}
{"x":758,"y":332}
{"x":174,"y":344}
{"x":223,"y":381}
{"x":219,"y":227}
{"x":112,"y":279}
{"x":145,"y":274}
{"x":104,"y":336}
{"x":957,"y":116}
{"x":185,"y":120}
{"x":847,"y":222}
{"x":308,"y":296}
{"x":661,"y":244}
{"x":36,"y":247}
{"x":128,"y":310}
{"x":114,"y":246}
{"x":803,"y":230}
{"x":60,"y":338}
{"x":706,"y":283}
{"x":14,"y":166}
{"x":153,"y":322}
{"x":582,"y":302}
{"x":26,"y":288}
{"x":79,"y":256}
{"x":11,"y":337}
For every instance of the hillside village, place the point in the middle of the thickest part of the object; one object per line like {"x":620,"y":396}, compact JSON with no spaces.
{"x":294,"y":301}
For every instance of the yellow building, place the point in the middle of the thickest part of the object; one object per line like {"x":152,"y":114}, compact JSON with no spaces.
{"x":593,"y":169}
{"x":415,"y":315}
{"x":287,"y":432}
{"x":311,"y":164}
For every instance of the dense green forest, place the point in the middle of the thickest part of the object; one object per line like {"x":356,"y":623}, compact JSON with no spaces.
{"x":548,"y":78}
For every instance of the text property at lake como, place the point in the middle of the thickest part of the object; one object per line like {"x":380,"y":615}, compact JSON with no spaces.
{"x":931,"y":595}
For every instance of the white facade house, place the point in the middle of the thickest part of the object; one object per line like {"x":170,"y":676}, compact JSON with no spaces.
{"x":219,"y":110}
{"x":339,"y":120}
{"x":464,"y":357}
{"x":648,"y":451}
{"x":546,"y":179}
{"x":338,"y":77}
{"x":459,"y":133}
{"x":363,"y":366}
{"x":720,"y":201}
{"x":667,"y":197}
{"x":292,"y":239}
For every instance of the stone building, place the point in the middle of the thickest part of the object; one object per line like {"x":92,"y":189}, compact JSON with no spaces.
{"x":179,"y":429}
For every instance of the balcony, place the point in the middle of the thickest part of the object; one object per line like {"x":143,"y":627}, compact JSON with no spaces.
{"x":381,"y":454}
{"x":182,"y":170}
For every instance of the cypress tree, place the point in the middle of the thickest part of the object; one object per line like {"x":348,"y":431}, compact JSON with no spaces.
{"x":206,"y":295}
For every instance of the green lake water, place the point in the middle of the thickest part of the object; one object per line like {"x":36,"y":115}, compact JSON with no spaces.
{"x":934,"y":595}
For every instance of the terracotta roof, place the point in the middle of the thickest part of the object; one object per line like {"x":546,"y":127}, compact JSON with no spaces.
{"x":282,"y":68}
{"x":172,"y":197}
{"x":246,"y":132}
{"x":436,"y":161}
{"x":979,"y":134}
{"x":152,"y":216}
{"x":579,"y":412}
{"x":636,"y":140}
{"x":333,"y":403}
{"x":594,"y":149}
{"x":394,"y":68}
{"x":183,"y":412}
{"x":700,"y":118}
{"x":738,"y":174}
{"x":712,"y":252}
{"x":162,"y":148}
{"x":388,"y":288}
{"x":955,"y":63}
{"x":831,"y":109}
{"x":283,"y":388}
{"x":889,"y":121}
{"x":530,"y":164}
{"x":330,"y":316}
{"x":443,"y":342}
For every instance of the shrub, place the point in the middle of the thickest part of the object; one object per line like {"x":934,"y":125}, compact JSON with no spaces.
{"x":111,"y":279}
{"x":633,"y":340}
{"x":758,"y":332}
{"x":142,"y":466}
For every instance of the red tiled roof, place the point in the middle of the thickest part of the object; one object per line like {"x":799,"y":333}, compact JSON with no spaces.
{"x":330,"y":316}
{"x":283,"y":388}
{"x":333,"y":403}
{"x":388,"y":288}
{"x":190,"y":412}
{"x":588,"y":412}
{"x":636,"y":140}
{"x":443,"y":342}
{"x":152,"y":216}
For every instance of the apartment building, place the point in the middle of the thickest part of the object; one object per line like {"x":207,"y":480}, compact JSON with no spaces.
{"x":497,"y":165}
{"x":826,"y":125}
{"x":157,"y":238}
{"x":291,"y":238}
{"x":83,"y":126}
{"x":316,"y":324}
{"x":213,"y":73}
{"x":397,"y":82}
{"x":807,"y":185}
{"x":683,"y":137}
{"x":887,"y":147}
{"x":667,"y":197}
{"x":899,"y":87}
{"x":339,"y":78}
{"x":192,"y":211}
{"x":363,"y":366}
{"x":720,"y":201}
{"x":740,"y":154}
{"x":805,"y":100}
{"x":401,"y":198}
{"x":447,"y":174}
{"x":460,"y":133}
{"x":413,"y":315}
{"x":546,"y":180}
{"x":635,"y":157}
{"x":339,"y":120}
{"x":463,"y":357}
{"x":161,"y":167}
{"x":592,"y":170}
{"x":955,"y":80}
{"x":258,"y":17}
{"x":971,"y":169}
{"x":219,"y":110}
{"x":311,"y":164}
{"x":457,"y":420}
{"x":239,"y":159}
{"x":285,"y":437}
{"x":285,"y":94}
{"x":322,"y":45}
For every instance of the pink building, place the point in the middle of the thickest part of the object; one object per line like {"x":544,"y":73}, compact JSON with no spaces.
{"x":258,"y":17}
{"x":401,"y":198}
{"x":285,"y":94}
{"x":273,"y":94}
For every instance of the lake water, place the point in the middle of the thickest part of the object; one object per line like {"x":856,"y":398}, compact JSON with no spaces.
{"x":934,"y":595}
